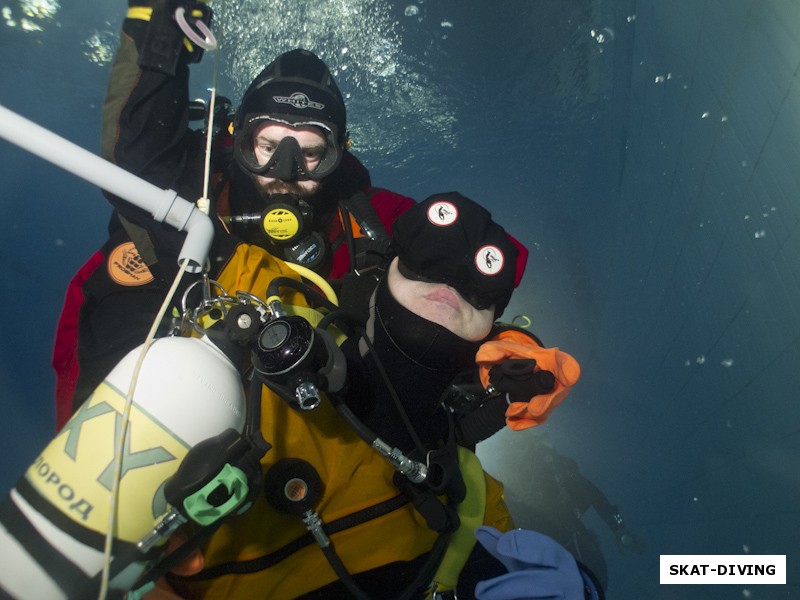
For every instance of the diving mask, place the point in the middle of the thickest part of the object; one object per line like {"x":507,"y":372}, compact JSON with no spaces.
{"x":288,"y":161}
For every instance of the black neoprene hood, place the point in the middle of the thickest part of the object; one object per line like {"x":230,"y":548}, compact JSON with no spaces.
{"x":296,"y":87}
{"x":451,"y":239}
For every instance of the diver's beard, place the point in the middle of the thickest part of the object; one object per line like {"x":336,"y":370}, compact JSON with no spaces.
{"x":293,"y":188}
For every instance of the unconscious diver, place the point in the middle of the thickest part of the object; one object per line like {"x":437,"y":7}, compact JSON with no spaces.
{"x":390,"y":497}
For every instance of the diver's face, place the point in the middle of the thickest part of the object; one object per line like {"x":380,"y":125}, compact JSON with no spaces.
{"x":312,"y":144}
{"x":440,"y":304}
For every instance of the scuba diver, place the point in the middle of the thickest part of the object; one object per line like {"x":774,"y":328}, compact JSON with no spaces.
{"x":391,"y":496}
{"x":310,"y":489}
{"x":556,"y":495}
{"x":283,"y":180}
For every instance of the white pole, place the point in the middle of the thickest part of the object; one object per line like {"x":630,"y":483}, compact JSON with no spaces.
{"x":164,"y":205}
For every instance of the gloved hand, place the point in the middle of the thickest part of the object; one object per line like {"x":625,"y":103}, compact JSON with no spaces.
{"x":539,"y":567}
{"x":512,"y":344}
{"x":520,"y":379}
{"x":176,"y":30}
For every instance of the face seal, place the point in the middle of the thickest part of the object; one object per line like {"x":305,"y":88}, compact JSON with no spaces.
{"x":288,"y":161}
{"x":478,"y":298}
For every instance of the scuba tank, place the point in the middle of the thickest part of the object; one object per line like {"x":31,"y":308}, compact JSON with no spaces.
{"x":191,"y":451}
{"x":54,"y":521}
{"x":78,"y":495}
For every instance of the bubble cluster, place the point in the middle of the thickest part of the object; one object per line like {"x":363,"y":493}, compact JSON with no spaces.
{"x":99,"y":47}
{"x":361,"y":44}
{"x":31,"y":14}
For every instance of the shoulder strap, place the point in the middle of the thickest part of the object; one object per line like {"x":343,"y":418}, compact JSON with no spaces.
{"x":366,"y":236}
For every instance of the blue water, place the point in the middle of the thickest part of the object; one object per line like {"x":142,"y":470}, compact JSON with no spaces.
{"x":646,"y":153}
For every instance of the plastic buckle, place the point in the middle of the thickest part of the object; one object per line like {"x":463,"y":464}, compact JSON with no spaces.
{"x":205,"y":506}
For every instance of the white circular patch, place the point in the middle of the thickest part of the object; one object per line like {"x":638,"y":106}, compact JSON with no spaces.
{"x":489,"y":260}
{"x":442,"y":214}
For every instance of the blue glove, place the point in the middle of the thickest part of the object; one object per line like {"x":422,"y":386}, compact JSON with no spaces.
{"x":539,"y":567}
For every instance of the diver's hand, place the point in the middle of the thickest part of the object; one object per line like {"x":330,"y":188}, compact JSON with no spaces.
{"x":170,"y":32}
{"x":519,"y":379}
{"x":515,"y":350}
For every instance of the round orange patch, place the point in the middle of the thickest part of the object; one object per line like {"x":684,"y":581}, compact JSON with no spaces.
{"x":126,"y":267}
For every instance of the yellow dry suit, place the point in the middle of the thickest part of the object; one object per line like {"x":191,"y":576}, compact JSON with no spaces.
{"x":265,"y":553}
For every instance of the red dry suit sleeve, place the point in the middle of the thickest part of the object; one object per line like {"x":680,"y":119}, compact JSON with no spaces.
{"x":515,"y":344}
{"x":65,"y":346}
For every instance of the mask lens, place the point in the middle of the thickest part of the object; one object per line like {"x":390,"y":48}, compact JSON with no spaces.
{"x":286,"y":159}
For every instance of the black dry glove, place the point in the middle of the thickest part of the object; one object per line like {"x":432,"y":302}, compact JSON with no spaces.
{"x":513,"y":380}
{"x":517,"y":378}
{"x":165,"y":44}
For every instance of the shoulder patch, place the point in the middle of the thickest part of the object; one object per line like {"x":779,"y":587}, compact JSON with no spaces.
{"x":126,"y":267}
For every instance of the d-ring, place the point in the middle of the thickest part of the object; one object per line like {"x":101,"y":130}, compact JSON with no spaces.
{"x":209,"y":43}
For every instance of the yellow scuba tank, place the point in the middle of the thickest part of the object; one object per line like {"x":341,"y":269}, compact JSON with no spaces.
{"x":54,"y":522}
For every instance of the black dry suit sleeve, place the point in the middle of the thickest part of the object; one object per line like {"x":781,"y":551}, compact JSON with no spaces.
{"x":146,"y":119}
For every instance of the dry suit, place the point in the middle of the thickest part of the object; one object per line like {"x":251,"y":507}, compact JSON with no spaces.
{"x":112,"y":299}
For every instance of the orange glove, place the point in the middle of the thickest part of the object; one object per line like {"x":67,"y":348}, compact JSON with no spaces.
{"x":516,"y":344}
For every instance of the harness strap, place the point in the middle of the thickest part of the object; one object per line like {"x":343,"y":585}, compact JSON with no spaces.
{"x":264,"y":562}
{"x":471,"y":514}
{"x":366,"y":236}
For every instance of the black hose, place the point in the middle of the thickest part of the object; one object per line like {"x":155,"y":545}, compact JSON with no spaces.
{"x":364,"y":213}
{"x":483,"y":422}
{"x":342,"y":573}
{"x":395,"y":398}
{"x":364,"y":432}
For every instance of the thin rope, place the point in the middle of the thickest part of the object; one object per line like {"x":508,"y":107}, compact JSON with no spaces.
{"x":204,"y":203}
